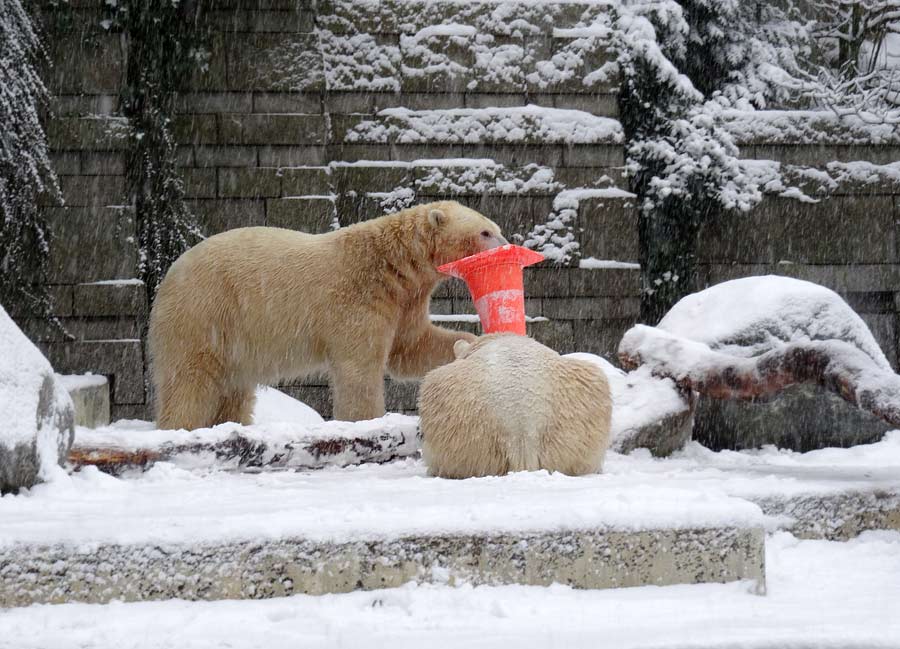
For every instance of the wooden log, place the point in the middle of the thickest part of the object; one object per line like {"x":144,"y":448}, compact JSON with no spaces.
{"x":249,"y":449}
{"x":833,"y":365}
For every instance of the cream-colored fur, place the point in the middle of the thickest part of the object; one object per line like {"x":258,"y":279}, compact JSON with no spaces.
{"x":260,"y":305}
{"x":508,"y":403}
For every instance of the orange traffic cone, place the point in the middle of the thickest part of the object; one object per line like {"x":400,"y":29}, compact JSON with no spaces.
{"x":494,"y":278}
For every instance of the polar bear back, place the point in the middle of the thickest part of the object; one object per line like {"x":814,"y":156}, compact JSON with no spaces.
{"x":509,"y":403}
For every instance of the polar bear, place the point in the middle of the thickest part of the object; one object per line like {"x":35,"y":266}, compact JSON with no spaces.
{"x":508,"y":403}
{"x":260,"y":305}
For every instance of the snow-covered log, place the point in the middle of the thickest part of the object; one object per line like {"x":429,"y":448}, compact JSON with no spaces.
{"x":753,"y":337}
{"x":249,"y":448}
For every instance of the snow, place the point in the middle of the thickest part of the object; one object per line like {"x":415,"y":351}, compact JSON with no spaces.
{"x":273,"y":406}
{"x":820,"y":594}
{"x":480,"y":125}
{"x":116,"y":282}
{"x":752,"y":315}
{"x":639,"y":398}
{"x":81,"y":381}
{"x":355,"y":503}
{"x":590,"y":263}
{"x":805,"y":127}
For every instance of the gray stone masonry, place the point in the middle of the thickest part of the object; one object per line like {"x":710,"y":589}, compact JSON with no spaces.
{"x":263,"y":140}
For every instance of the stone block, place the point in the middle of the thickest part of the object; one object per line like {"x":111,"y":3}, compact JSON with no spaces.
{"x":92,"y":133}
{"x":597,"y":308}
{"x":275,"y":63}
{"x":514,"y":214}
{"x":93,"y":191}
{"x":292,"y":156}
{"x":102,"y":163}
{"x":514,"y":155}
{"x":840,"y":230}
{"x":546,"y":280}
{"x":196,"y":129}
{"x":91,"y":244}
{"x":90,"y":396}
{"x":357,"y":152}
{"x":601,"y":337}
{"x":870,"y":302}
{"x":558,"y":335}
{"x":212,"y":78}
{"x":608,"y":229}
{"x":603,"y":282}
{"x":225,"y":156}
{"x":884,"y":328}
{"x":128,"y":298}
{"x":218,"y":215}
{"x":594,"y":155}
{"x":605,"y":105}
{"x":66,"y":163}
{"x":87,"y":66}
{"x":82,"y":328}
{"x":838,"y":277}
{"x":256,"y":182}
{"x":81,"y":105}
{"x":305,"y":181}
{"x":818,"y":155}
{"x":199,"y":182}
{"x":314,"y":215}
{"x":60,"y":297}
{"x":400,"y":395}
{"x":142,"y":411}
{"x":286,"y":102}
{"x":363,"y":178}
{"x":122,"y":360}
{"x":273,"y":128}
{"x":441,"y":306}
{"x":214,"y":102}
{"x":477,"y":99}
{"x":437,"y":64}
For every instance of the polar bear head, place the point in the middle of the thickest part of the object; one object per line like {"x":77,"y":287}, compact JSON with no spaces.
{"x":458,"y":231}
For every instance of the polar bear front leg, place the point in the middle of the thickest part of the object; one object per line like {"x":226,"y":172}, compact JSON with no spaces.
{"x":358,"y":389}
{"x":413,"y":356}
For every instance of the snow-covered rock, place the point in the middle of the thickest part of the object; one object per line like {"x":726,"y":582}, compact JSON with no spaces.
{"x":37,"y":419}
{"x":753,"y":315}
{"x":648,"y":411}
{"x":771,"y":355}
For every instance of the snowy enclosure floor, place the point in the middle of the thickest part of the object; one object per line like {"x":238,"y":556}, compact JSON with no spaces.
{"x":694,"y":488}
{"x":820,"y":594}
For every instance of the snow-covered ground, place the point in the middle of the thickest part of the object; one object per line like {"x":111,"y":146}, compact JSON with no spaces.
{"x":820,"y":594}
{"x":696,"y":487}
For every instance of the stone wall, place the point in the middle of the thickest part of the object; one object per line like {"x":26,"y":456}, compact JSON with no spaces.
{"x":283,"y":129}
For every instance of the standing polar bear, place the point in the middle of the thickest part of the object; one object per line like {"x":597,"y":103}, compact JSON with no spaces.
{"x":260,"y":305}
{"x":508,"y":403}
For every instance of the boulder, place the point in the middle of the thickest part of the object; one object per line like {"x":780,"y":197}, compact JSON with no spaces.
{"x":37,"y":418}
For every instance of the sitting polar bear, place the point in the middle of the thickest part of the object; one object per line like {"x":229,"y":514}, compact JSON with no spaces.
{"x":508,"y":403}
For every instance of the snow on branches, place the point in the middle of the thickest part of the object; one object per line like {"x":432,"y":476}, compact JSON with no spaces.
{"x":25,"y":170}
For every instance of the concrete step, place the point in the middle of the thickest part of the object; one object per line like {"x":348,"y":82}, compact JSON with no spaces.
{"x":172,"y":534}
{"x":90,"y":395}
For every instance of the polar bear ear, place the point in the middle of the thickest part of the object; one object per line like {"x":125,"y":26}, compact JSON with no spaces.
{"x":460,"y":347}
{"x":436,"y":218}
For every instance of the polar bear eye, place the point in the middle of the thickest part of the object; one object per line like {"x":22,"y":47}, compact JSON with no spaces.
{"x":485,"y":233}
